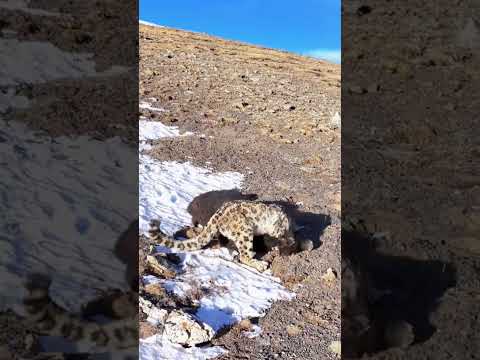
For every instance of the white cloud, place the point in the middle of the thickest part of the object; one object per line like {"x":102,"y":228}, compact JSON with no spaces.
{"x":332,"y":55}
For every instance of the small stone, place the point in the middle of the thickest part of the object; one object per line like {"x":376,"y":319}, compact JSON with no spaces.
{"x":336,"y":348}
{"x":293,"y":330}
{"x":245,"y":324}
{"x":182,"y":328}
{"x":329,"y":275}
{"x":156,"y":316}
{"x":155,"y":290}
{"x":146,"y":330}
{"x":314,"y":319}
{"x":263,"y":341}
{"x":160,"y":266}
{"x":335,"y":121}
{"x":306,"y":245}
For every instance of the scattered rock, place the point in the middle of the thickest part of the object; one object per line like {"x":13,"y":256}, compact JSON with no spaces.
{"x":305,"y":245}
{"x":148,"y":72}
{"x":312,"y":318}
{"x":298,"y":108}
{"x":156,"y":316}
{"x":160,"y":266}
{"x":336,"y":348}
{"x":294,"y":330}
{"x":182,"y":328}
{"x":264,"y":341}
{"x":146,"y":330}
{"x":155,"y":290}
{"x":245,"y":324}
{"x":329,"y":276}
{"x":254,"y":332}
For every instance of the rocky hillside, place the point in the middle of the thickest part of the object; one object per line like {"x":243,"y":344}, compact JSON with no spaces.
{"x":275,"y":118}
{"x":205,"y":81}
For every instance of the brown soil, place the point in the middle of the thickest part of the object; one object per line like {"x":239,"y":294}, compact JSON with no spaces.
{"x":411,"y":175}
{"x":267,"y":114}
{"x":102,"y":106}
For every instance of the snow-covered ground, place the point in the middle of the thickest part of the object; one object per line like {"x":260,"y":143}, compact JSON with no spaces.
{"x":53,"y":215}
{"x":148,"y":106}
{"x":149,"y":23}
{"x":232,"y":291}
{"x":45,"y":188}
{"x":166,"y":189}
{"x":156,"y":348}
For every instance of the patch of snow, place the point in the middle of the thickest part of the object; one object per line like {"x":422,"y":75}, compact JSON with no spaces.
{"x":167,"y":187}
{"x":254,"y":332}
{"x":37,"y":62}
{"x":149,"y":23}
{"x":22,"y":5}
{"x":53,"y":216}
{"x":336,"y":121}
{"x":148,"y":106}
{"x":153,"y":130}
{"x":232,"y":291}
{"x":158,"y":348}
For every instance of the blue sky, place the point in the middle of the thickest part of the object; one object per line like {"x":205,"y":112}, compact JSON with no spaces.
{"x":309,"y":27}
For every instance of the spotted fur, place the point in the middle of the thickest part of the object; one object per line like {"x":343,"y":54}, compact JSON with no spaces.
{"x":47,"y":318}
{"x":239,"y":221}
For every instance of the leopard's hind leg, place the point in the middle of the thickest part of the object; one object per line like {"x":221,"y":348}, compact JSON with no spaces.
{"x":242,"y":236}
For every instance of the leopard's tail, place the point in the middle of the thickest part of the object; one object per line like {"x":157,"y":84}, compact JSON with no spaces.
{"x":195,"y":243}
{"x":47,"y":318}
